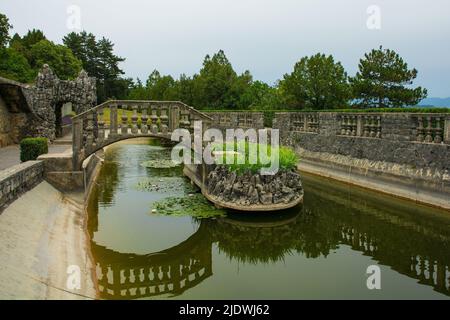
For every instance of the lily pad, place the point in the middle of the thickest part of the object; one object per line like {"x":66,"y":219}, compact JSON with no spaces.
{"x":164,"y":185}
{"x":195,"y":205}
{"x":159,"y":164}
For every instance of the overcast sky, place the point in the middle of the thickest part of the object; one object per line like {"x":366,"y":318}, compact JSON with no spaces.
{"x":265,"y":36}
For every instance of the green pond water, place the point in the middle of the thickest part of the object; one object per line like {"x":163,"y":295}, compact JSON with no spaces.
{"x":154,"y":236}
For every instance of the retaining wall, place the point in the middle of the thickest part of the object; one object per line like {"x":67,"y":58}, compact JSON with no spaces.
{"x":18,"y":179}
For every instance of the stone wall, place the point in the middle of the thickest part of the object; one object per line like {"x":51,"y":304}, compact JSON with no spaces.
{"x":18,"y":179}
{"x":237,"y":119}
{"x":50,"y":93}
{"x":35,"y":110}
{"x":403,"y":154}
{"x":389,"y":137}
{"x":5,"y":125}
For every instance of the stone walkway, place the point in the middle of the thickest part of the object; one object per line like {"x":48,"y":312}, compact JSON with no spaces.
{"x":42,"y":238}
{"x":10,"y":155}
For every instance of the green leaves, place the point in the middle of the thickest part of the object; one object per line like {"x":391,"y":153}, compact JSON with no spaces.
{"x":4,"y":30}
{"x":383,"y":79}
{"x":58,"y":57}
{"x":317,"y":82}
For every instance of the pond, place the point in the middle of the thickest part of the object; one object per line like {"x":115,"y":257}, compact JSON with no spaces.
{"x":154,"y":236}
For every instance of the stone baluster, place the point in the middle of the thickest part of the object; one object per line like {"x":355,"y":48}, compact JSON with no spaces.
{"x":353,"y":125}
{"x":144,"y":120}
{"x":164,"y":120}
{"x":101,"y":126}
{"x":378,"y":128}
{"x":343,"y":125}
{"x":304,"y":124}
{"x":372,"y":127}
{"x":184,"y":122}
{"x":113,"y":125}
{"x":438,"y":130}
{"x":420,"y":129}
{"x":429,"y":130}
{"x":124,"y":125}
{"x":134,"y":119}
{"x":366,"y":126}
{"x":349,"y":126}
{"x":90,"y":130}
{"x":154,"y":119}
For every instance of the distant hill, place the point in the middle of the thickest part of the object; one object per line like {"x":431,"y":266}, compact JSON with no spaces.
{"x":436,"y":102}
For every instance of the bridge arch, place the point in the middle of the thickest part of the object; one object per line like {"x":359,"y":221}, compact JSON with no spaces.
{"x":171,"y":271}
{"x":117,"y":120}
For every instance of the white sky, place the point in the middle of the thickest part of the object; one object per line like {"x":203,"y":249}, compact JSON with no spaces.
{"x":265,"y":36}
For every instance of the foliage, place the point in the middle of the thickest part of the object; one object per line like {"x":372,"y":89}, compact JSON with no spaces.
{"x":242,"y":162}
{"x":99,"y":61}
{"x":25,"y":55}
{"x":58,"y":57}
{"x":31,"y":148}
{"x":317,"y":82}
{"x":15,"y":66}
{"x":382,"y":81}
{"x":4,"y":30}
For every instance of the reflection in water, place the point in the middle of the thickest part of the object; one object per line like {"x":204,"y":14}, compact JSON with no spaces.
{"x":410,"y":239}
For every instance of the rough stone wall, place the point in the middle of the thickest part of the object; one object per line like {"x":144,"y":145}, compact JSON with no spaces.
{"x":5,"y":125}
{"x":49,"y":93}
{"x":397,"y":143}
{"x":18,"y":179}
{"x":254,"y":189}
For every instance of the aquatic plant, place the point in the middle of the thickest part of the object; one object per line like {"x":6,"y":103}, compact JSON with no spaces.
{"x":195,"y":205}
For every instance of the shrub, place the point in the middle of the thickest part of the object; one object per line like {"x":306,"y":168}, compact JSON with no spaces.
{"x":288,"y":159}
{"x":31,"y":148}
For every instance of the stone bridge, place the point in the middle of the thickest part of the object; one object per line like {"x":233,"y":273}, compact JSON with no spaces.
{"x":116,"y":120}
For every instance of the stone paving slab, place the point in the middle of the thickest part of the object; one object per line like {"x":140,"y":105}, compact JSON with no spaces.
{"x":41,"y":235}
{"x":10,"y":155}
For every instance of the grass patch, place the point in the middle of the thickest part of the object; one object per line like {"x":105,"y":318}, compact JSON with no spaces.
{"x":245,"y":161}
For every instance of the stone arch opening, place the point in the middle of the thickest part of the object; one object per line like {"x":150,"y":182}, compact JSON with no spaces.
{"x":49,"y":95}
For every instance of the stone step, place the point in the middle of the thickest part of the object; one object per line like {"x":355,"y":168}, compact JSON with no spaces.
{"x":63,"y":142}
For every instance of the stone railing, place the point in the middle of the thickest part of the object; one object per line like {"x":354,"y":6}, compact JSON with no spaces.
{"x":305,"y":122}
{"x":431,"y":128}
{"x":237,"y":119}
{"x":92,"y":131}
{"x":418,"y":127}
{"x":361,"y":125}
{"x":18,"y":179}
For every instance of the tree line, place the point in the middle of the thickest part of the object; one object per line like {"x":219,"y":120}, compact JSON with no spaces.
{"x":317,"y":82}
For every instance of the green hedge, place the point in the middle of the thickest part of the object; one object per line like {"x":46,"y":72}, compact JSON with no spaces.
{"x":31,"y":148}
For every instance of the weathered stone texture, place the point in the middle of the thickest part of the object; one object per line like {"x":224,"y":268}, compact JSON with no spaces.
{"x":254,"y":189}
{"x":5,"y":125}
{"x":237,"y":119}
{"x":397,"y":143}
{"x":18,"y":179}
{"x":50,"y":93}
{"x":31,"y":110}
